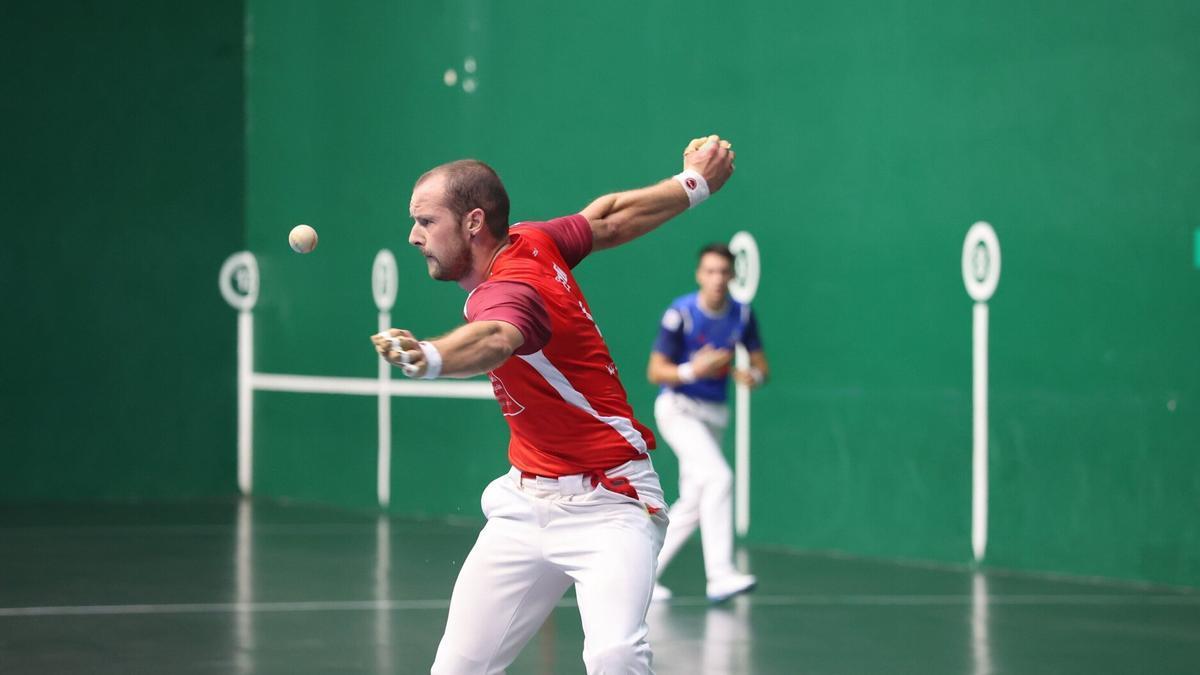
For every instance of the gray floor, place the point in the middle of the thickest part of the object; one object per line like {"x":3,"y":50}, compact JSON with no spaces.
{"x":268,"y":588}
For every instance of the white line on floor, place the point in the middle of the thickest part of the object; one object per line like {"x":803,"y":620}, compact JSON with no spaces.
{"x":761,"y":600}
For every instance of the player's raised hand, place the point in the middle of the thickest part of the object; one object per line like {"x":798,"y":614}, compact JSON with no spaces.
{"x":711,"y":157}
{"x":399,"y":347}
{"x":697,"y":143}
{"x":708,"y":361}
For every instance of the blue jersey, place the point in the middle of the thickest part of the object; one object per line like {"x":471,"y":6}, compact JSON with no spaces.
{"x":686,"y":328}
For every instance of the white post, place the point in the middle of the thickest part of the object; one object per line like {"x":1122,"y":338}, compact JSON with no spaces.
{"x":979,"y":454}
{"x":238,"y":281}
{"x":245,"y":397}
{"x":383,"y":288}
{"x":742,"y":448}
{"x":383,"y":486}
{"x":743,"y":288}
{"x":981,"y":274}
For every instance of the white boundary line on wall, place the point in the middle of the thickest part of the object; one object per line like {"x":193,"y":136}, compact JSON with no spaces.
{"x":239,"y":282}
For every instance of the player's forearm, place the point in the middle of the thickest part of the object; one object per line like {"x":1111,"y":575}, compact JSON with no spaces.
{"x":666,"y":377}
{"x":664,"y":373}
{"x":624,"y":216}
{"x":621,"y":217}
{"x":476,"y":348}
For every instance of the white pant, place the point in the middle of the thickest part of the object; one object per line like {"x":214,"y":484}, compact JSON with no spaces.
{"x":542,"y":535}
{"x":693,"y":429}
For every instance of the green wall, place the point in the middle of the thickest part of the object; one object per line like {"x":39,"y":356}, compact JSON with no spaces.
{"x":870,"y":135}
{"x":123,"y":139}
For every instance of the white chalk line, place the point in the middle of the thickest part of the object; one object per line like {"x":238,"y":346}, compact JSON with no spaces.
{"x":767,"y":600}
{"x":331,"y":529}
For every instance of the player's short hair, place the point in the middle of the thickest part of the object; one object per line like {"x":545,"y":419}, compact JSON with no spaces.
{"x":720,"y":249}
{"x":471,"y":184}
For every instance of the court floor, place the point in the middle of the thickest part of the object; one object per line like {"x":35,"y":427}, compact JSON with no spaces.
{"x":261,"y":587}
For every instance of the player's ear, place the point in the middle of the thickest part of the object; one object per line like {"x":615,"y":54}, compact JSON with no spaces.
{"x":475,"y":221}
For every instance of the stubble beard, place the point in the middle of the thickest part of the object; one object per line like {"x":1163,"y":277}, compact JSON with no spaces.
{"x":452,"y":270}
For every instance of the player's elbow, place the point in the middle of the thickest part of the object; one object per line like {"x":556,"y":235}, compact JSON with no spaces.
{"x":606,"y":232}
{"x":500,"y":346}
{"x":501,"y":341}
{"x":655,"y":374}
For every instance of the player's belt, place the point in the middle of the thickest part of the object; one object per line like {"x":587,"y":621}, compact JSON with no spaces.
{"x":617,"y":484}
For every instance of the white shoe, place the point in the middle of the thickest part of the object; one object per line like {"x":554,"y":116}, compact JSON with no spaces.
{"x":724,"y":588}
{"x":661,"y":593}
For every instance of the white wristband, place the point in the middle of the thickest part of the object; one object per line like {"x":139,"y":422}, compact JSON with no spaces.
{"x":686,"y":373}
{"x":757,"y":375}
{"x":433,"y":360}
{"x":694,"y":185}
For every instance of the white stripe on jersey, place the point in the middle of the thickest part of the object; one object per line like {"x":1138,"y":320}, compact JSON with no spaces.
{"x":569,"y":394}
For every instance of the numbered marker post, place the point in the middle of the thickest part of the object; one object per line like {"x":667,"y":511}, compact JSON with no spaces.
{"x":743,"y":287}
{"x":981,"y":274}
{"x":384,"y":287}
{"x":238,"y":281}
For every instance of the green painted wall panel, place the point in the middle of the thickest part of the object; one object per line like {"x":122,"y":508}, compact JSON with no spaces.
{"x":318,"y":448}
{"x":445,"y":454}
{"x":123,"y":136}
{"x":870,"y":136}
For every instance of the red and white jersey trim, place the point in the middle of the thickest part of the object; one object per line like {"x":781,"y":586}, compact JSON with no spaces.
{"x":553,"y":376}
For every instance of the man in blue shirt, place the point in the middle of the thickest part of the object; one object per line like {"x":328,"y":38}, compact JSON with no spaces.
{"x":691,"y":363}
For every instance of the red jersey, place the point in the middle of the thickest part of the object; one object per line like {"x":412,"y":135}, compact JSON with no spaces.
{"x":564,"y":404}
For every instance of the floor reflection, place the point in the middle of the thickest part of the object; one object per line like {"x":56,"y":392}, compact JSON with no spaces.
{"x":726,"y":635}
{"x":981,"y":639}
{"x":243,"y":574}
{"x":383,"y":595}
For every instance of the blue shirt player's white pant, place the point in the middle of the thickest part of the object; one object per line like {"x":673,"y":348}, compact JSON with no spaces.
{"x":693,"y":428}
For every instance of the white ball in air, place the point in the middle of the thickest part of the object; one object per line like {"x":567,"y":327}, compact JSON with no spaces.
{"x":303,"y":239}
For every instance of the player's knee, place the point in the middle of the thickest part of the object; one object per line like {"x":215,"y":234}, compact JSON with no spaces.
{"x":622,"y":659}
{"x":719,"y":481}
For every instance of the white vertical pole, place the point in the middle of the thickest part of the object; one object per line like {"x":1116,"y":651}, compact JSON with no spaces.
{"x":238,"y":281}
{"x":981,"y":274}
{"x":383,"y":289}
{"x":979,"y":462}
{"x":742,"y":447}
{"x":747,"y":271}
{"x":245,"y":395}
{"x":383,"y":472}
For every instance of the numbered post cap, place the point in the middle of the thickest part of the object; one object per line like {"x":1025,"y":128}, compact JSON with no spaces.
{"x":383,"y":280}
{"x":238,"y":280}
{"x":746,"y":269}
{"x":981,"y":261}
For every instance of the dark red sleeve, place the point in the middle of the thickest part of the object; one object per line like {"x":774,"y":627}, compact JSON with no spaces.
{"x":572,"y":235}
{"x":515,"y":303}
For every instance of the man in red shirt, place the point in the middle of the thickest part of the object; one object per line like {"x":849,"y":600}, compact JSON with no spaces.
{"x":582,"y":504}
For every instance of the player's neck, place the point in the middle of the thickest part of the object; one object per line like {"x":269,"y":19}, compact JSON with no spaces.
{"x":709,"y":306}
{"x":481,"y":268}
